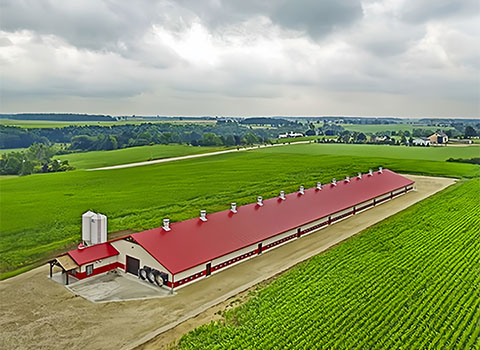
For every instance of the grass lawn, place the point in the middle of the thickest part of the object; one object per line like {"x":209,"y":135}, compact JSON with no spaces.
{"x":41,"y":213}
{"x":373,"y":128}
{"x":96,"y":159}
{"x":8,"y":150}
{"x":409,"y":282}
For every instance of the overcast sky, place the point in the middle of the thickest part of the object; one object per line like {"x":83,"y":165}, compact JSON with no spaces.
{"x":241,"y":57}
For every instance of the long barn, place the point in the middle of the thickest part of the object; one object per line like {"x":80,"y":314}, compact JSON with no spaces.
{"x":178,"y":254}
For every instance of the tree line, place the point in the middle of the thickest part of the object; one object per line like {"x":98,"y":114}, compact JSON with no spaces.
{"x":36,"y":159}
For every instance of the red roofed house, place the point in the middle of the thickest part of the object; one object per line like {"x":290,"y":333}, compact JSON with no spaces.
{"x":177,"y":254}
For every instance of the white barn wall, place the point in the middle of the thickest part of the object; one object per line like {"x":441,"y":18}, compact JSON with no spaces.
{"x":190,"y":272}
{"x":314,"y":223}
{"x":338,"y":213}
{"x":134,"y":250}
{"x":383,"y":197}
{"x":98,"y":263}
{"x":278,"y":237}
{"x":234,"y":254}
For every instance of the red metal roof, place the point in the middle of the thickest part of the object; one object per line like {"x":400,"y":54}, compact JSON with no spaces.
{"x":93,"y":253}
{"x":193,"y":242}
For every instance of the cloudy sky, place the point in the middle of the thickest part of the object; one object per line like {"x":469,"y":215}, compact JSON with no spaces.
{"x":241,"y":57}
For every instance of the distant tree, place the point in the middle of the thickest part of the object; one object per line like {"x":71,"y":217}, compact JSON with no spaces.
{"x":361,"y":137}
{"x":470,"y":132}
{"x":229,"y":140}
{"x":250,"y":138}
{"x":210,"y":139}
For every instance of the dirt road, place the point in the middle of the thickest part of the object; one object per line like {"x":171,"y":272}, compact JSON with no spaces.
{"x":165,"y":160}
{"x":37,"y":313}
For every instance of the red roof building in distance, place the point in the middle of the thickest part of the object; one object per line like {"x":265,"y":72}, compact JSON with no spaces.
{"x":179,"y":253}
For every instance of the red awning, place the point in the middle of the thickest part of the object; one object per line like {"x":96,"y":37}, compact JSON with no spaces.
{"x":93,"y":253}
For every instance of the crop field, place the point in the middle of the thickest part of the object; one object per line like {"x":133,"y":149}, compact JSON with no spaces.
{"x":409,"y":282}
{"x":40,"y":214}
{"x":384,"y":151}
{"x":373,"y":128}
{"x":95,"y":159}
{"x":8,"y":150}
{"x":32,"y":124}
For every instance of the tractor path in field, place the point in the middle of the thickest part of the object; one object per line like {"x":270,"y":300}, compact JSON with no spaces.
{"x":38,"y":313}
{"x":172,"y":159}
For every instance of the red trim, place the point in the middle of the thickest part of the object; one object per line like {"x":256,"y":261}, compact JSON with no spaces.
{"x":98,"y":270}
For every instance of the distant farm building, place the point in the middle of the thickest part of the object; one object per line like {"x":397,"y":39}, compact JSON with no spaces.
{"x":423,"y":141}
{"x":182,"y":252}
{"x":438,"y":138}
{"x":290,"y":134}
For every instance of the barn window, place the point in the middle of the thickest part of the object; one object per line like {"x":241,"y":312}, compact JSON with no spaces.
{"x":89,"y":269}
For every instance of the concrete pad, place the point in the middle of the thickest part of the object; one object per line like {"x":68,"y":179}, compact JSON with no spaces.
{"x":116,"y":286}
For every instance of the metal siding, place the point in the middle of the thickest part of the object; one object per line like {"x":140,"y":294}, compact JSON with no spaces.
{"x":136,"y":251}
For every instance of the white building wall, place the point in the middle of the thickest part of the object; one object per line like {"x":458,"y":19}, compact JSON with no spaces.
{"x":399,"y":191}
{"x":98,"y":263}
{"x":338,"y":213}
{"x":234,"y":254}
{"x":190,"y":272}
{"x":278,"y":237}
{"x":383,"y":197}
{"x":134,"y":250}
{"x":314,"y":223}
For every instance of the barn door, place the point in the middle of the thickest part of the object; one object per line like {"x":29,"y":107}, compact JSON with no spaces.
{"x":209,"y":269}
{"x":133,"y":265}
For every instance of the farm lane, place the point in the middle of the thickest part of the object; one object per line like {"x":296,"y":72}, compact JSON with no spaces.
{"x":41,"y":314}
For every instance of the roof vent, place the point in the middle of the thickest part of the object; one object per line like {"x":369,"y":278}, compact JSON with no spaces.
{"x":370,"y":172}
{"x":301,"y":190}
{"x":334,"y":182}
{"x":282,"y":195}
{"x":359,"y":175}
{"x":319,"y":185}
{"x":347,"y":178}
{"x":380,"y":169}
{"x":203,"y":215}
{"x":259,"y":201}
{"x":233,"y":207}
{"x":166,"y":224}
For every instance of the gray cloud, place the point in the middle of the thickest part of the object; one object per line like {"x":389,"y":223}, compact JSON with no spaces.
{"x":240,"y":57}
{"x":317,"y":18}
{"x":419,"y":11}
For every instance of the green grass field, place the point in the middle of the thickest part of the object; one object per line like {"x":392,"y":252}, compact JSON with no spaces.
{"x":8,"y":150}
{"x":89,"y":160}
{"x":31,"y":124}
{"x":410,"y":282}
{"x":373,"y":128}
{"x":41,"y":213}
{"x":384,"y":151}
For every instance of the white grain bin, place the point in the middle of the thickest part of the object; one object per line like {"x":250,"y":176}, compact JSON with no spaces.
{"x":98,"y":229}
{"x":86,"y":224}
